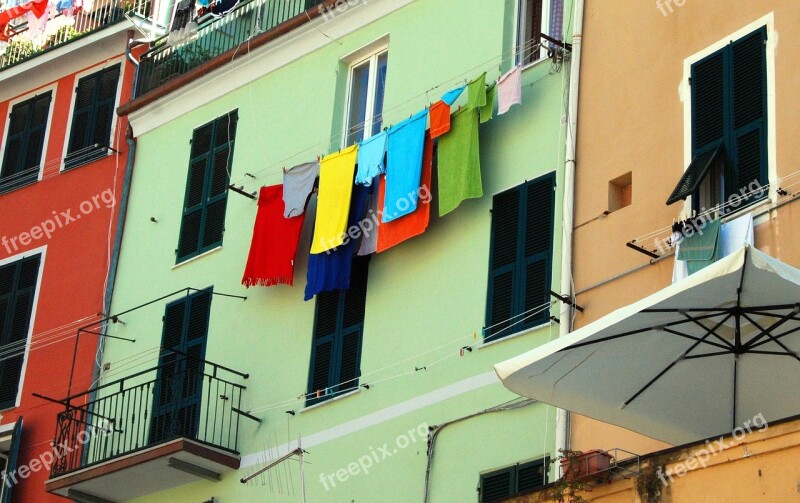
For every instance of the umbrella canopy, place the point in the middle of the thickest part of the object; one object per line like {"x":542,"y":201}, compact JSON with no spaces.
{"x":694,"y":360}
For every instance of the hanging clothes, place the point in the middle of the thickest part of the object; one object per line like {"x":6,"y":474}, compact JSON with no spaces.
{"x":298,"y":183}
{"x":331,"y":271}
{"x":451,"y":96}
{"x":404,"y":166}
{"x":371,"y":154}
{"x":488,"y":108}
{"x":459,"y":164}
{"x":440,"y":118}
{"x":509,"y":90}
{"x":397,"y":231}
{"x":274,"y":245}
{"x":476,"y":92}
{"x":371,"y":221}
{"x":336,"y":174}
{"x":701,"y":246}
{"x":184,"y":12}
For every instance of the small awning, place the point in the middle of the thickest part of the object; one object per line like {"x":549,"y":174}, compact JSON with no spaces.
{"x":693,"y":176}
{"x":693,"y":360}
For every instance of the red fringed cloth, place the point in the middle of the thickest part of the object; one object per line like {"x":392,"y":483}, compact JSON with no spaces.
{"x":275,"y":239}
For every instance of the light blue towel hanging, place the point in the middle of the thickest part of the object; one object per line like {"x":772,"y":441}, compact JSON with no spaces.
{"x":404,"y":166}
{"x":370,"y":158}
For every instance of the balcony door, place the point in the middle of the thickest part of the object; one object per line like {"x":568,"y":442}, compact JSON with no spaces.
{"x":177,"y":394}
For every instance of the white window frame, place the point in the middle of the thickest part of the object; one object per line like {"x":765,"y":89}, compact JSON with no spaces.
{"x":42,"y":250}
{"x":369,"y":53}
{"x":521,"y":29}
{"x":53,"y":88}
{"x":114,"y":119}
{"x":685,"y":91}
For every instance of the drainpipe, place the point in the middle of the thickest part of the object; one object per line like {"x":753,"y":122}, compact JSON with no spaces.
{"x":562,"y":416}
{"x":121,"y":210}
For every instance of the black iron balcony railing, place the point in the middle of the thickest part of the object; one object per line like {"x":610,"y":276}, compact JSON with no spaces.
{"x":177,"y":399}
{"x":215,"y":35}
{"x":24,"y":45}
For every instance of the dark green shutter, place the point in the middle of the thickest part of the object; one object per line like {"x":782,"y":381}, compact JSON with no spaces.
{"x":92,"y":117}
{"x":17,"y":292}
{"x":729,"y":103}
{"x":25,"y":142}
{"x":497,"y":485}
{"x":206,"y":199}
{"x":749,"y":105}
{"x":13,"y":458}
{"x":531,"y":476}
{"x":504,"y":251}
{"x":338,"y":333}
{"x":521,"y":257}
{"x":178,"y":389}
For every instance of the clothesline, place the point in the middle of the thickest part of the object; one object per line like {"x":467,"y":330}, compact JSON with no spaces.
{"x":313,"y":150}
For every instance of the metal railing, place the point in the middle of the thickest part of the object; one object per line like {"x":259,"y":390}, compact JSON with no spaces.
{"x":215,"y":35}
{"x":177,"y":399}
{"x":63,"y":28}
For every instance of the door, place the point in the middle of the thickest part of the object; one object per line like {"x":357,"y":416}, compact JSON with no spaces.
{"x":177,"y":394}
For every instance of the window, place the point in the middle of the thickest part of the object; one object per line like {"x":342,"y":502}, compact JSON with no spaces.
{"x":92,"y":117}
{"x":365,"y":98}
{"x":206,"y":197}
{"x":17,"y":292}
{"x":535,"y":17}
{"x":338,"y":330}
{"x":27,"y":124}
{"x":520,"y":258}
{"x":729,"y":125}
{"x":513,"y":480}
{"x":9,"y":452}
{"x":179,"y":385}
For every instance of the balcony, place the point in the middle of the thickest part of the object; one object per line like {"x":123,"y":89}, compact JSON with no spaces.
{"x":163,"y":427}
{"x":215,"y":35}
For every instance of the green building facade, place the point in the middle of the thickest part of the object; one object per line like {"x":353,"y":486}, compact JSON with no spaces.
{"x":423,"y":362}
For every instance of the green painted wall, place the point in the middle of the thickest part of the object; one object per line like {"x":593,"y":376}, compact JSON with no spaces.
{"x":425,"y":297}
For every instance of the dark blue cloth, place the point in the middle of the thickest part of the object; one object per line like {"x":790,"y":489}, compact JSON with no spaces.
{"x":331,"y":271}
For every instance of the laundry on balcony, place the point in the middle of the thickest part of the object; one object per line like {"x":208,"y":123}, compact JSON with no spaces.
{"x":700,"y":245}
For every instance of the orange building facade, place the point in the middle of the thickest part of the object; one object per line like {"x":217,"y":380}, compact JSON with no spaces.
{"x":64,"y":155}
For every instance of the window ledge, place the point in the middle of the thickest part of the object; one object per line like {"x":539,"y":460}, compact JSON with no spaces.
{"x":515,"y":335}
{"x":196,"y":257}
{"x":331,"y":400}
{"x":88,"y":158}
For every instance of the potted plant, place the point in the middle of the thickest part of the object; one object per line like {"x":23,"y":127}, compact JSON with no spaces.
{"x":590,"y":465}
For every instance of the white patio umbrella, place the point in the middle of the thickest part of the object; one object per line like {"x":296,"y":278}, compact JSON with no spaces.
{"x":696,"y":359}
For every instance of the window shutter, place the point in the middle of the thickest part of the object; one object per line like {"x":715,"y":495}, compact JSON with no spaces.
{"x":25,"y":142}
{"x":18,"y":286}
{"x":497,"y":486}
{"x":539,"y":201}
{"x":338,"y":332}
{"x":531,"y":476}
{"x":206,"y":197}
{"x":82,"y":114}
{"x":749,"y":111}
{"x":104,"y":113}
{"x":321,"y":367}
{"x":13,"y":457}
{"x":504,"y":253}
{"x":199,"y":314}
{"x":349,"y":368}
{"x":708,"y":121}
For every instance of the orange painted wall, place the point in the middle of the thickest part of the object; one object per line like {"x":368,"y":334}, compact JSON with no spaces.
{"x":74,"y":272}
{"x":631,"y":119}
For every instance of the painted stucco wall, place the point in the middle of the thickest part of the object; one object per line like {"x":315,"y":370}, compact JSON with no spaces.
{"x":79,"y":206}
{"x":632,"y":119}
{"x":425,"y":298}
